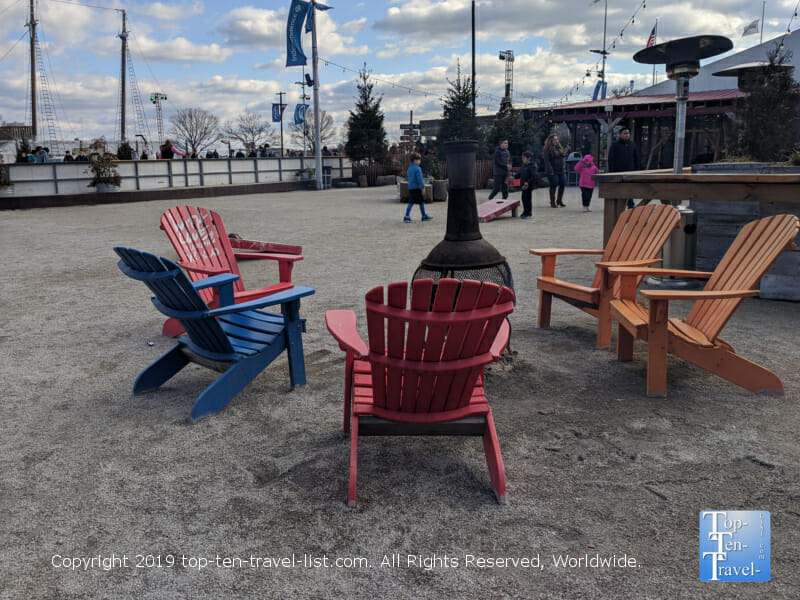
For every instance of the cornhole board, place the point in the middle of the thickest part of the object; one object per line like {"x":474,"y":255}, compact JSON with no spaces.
{"x":491,"y":209}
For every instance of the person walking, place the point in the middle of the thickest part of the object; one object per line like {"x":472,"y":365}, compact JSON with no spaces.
{"x":416,"y":188}
{"x":168,"y":150}
{"x":502,"y":167}
{"x":527,"y":181}
{"x":554,"y":154}
{"x":622,"y":156}
{"x":585,"y":168}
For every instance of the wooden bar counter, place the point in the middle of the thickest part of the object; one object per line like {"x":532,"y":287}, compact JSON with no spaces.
{"x":723,"y":200}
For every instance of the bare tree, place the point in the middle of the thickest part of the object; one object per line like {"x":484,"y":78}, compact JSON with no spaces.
{"x":198,"y":127}
{"x":250,"y":129}
{"x":303,"y":134}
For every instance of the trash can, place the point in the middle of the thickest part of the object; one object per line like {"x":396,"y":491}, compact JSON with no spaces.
{"x":327,"y":176}
{"x":680,"y":251}
{"x":570,"y":162}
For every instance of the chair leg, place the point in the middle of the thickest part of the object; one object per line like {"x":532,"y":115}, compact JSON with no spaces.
{"x":604,"y":322}
{"x":160,"y":371}
{"x":729,"y":365}
{"x":545,"y":302}
{"x":348,"y":391}
{"x":624,"y":344}
{"x":172,"y":328}
{"x":494,"y":460}
{"x":657,"y":339}
{"x":294,"y":343}
{"x":351,"y":492}
{"x":228,"y":385}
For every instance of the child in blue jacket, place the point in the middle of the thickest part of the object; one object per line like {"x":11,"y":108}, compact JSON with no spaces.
{"x":416,"y":187}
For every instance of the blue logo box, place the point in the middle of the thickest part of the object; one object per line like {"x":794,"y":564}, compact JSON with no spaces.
{"x":734,"y":545}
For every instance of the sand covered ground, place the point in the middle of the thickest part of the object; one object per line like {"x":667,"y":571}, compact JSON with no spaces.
{"x":93,"y":477}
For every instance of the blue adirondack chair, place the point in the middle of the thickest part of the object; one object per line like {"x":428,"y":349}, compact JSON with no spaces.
{"x":239,"y":339}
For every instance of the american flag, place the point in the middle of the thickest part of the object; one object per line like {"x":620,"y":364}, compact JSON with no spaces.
{"x":651,"y":41}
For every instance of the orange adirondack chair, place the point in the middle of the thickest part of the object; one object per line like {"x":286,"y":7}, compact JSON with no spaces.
{"x":696,"y":338}
{"x":422,"y":373}
{"x":204,"y":249}
{"x":636,"y":240}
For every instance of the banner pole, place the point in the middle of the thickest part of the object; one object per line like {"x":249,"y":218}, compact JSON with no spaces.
{"x":315,"y":61}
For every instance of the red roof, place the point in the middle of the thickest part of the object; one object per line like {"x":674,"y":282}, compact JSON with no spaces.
{"x":709,"y":96}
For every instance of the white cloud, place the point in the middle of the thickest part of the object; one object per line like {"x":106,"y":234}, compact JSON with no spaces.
{"x":171,"y":12}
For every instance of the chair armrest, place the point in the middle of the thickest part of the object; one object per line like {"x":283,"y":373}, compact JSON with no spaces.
{"x":660,"y":272}
{"x":627,"y":263}
{"x":256,"y":246}
{"x":696,"y":294}
{"x":559,"y":251}
{"x":500,"y":340}
{"x":342,"y":325}
{"x":214,"y":281}
{"x":280,"y":298}
{"x":268,"y":256}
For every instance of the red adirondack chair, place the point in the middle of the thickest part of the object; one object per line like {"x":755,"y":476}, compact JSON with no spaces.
{"x":204,"y":249}
{"x":422,"y":373}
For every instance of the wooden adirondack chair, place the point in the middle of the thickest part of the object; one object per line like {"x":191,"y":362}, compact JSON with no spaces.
{"x":204,"y":248}
{"x":636,"y":240}
{"x":422,"y":373}
{"x":239,"y":339}
{"x":696,"y":338}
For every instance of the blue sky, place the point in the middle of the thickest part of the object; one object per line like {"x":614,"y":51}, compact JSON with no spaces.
{"x":228,"y":57}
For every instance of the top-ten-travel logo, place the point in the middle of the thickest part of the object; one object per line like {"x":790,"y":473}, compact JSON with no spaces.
{"x":734,"y":545}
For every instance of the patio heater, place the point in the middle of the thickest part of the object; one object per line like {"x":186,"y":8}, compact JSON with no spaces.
{"x":749,"y":74}
{"x":682,"y":58}
{"x":463,"y":253}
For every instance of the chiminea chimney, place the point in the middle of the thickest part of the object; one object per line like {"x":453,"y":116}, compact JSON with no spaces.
{"x":463,"y":253}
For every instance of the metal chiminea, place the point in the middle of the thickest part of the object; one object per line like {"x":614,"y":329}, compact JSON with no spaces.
{"x":463,"y":253}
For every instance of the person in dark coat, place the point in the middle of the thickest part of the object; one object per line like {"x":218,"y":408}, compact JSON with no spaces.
{"x":527,"y":181}
{"x":622,"y":156}
{"x":554,"y":154}
{"x":502,"y":167}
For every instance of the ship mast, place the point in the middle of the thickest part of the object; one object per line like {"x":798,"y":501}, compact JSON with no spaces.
{"x":124,"y":61}
{"x":32,"y":28}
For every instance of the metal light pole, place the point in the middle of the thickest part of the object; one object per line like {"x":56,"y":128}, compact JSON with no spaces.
{"x":604,"y":54}
{"x":473,"y":59}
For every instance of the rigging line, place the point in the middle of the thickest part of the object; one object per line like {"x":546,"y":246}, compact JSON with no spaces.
{"x":10,"y":6}
{"x":19,"y":39}
{"x":84,"y":5}
{"x":132,"y":36}
{"x":55,"y":86}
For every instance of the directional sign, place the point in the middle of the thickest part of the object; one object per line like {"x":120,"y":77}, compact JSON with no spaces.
{"x":405,"y":138}
{"x":408,"y":126}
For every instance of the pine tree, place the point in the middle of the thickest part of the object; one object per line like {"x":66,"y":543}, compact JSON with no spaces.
{"x":459,"y":122}
{"x":764,"y":117}
{"x":366,"y":137}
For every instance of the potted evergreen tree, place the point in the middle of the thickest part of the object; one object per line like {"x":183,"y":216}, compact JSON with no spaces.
{"x":105,"y":176}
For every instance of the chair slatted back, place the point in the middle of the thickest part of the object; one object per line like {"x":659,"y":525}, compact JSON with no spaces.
{"x":640,"y":234}
{"x":427,"y":357}
{"x":173,"y":290}
{"x":757,"y":246}
{"x":199,"y":237}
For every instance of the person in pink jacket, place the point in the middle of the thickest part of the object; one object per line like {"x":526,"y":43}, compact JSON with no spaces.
{"x":585,"y":168}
